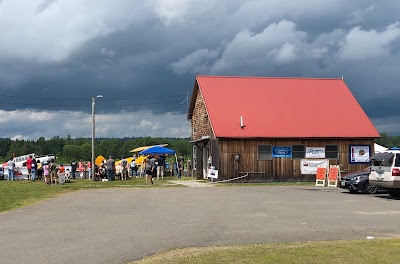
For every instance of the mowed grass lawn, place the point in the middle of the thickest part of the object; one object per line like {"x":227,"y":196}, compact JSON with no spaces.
{"x":326,"y":252}
{"x":22,"y":193}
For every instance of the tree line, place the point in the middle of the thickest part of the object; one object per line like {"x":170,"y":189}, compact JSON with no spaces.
{"x":68,"y":149}
{"x":388,"y":141}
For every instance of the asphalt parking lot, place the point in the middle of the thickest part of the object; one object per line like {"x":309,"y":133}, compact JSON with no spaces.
{"x":121,"y":225}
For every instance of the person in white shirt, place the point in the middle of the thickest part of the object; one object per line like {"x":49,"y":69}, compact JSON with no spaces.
{"x":133,"y":167}
{"x":11,"y":168}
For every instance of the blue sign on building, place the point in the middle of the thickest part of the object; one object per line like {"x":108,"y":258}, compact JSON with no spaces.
{"x":281,"y":152}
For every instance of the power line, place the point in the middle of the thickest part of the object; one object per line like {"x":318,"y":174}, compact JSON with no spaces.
{"x":75,"y":105}
{"x":88,"y":99}
{"x":75,"y":112}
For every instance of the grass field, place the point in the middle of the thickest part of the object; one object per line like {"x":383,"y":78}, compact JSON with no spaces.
{"x":327,"y":252}
{"x":22,"y":193}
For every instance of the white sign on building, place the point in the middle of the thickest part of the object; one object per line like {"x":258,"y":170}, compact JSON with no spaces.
{"x":310,"y":166}
{"x":212,"y":173}
{"x":315,"y":152}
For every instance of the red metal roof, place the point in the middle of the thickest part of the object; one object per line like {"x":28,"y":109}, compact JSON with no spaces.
{"x":283,"y":108}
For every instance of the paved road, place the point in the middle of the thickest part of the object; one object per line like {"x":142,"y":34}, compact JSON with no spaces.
{"x":121,"y":225}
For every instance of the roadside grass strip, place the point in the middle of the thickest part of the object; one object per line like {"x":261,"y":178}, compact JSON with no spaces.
{"x":22,"y":193}
{"x":328,"y":252}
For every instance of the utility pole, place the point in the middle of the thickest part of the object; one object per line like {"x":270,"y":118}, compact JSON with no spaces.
{"x":93,"y":133}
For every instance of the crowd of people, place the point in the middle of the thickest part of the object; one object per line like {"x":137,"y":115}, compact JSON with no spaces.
{"x":48,"y":171}
{"x":52,"y":173}
{"x":153,"y":166}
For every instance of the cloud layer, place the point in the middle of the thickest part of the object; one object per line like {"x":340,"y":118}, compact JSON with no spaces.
{"x":128,"y":51}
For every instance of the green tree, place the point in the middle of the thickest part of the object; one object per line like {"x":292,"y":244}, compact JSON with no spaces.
{"x":71,"y":152}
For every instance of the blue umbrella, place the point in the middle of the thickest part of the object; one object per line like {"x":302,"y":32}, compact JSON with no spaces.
{"x":157,"y":150}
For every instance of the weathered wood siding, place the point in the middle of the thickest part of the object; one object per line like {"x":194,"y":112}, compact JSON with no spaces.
{"x":201,"y":125}
{"x":278,"y":169}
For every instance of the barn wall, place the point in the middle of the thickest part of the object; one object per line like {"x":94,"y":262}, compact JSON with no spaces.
{"x":277,"y":169}
{"x":201,"y":125}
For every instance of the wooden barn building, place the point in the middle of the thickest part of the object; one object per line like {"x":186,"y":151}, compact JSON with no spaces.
{"x":276,"y":129}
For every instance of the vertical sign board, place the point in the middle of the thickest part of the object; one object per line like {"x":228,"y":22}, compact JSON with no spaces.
{"x":321,"y":176}
{"x":333,"y":176}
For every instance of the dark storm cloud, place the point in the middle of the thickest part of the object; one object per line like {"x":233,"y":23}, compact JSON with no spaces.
{"x":74,"y":49}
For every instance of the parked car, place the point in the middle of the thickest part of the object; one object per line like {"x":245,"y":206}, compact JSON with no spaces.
{"x":385,"y":171}
{"x":358,"y":181}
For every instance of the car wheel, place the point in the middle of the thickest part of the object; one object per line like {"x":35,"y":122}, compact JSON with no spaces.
{"x":394,"y":192}
{"x":370,"y":189}
{"x":353,"y":191}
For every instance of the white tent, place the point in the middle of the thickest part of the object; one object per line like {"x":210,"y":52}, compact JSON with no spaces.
{"x":378,"y":148}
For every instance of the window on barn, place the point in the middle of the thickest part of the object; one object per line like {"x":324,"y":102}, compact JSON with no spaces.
{"x":264,"y":152}
{"x":331,"y":152}
{"x":298,"y":152}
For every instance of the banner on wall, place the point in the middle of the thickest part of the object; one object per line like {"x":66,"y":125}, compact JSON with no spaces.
{"x":315,"y":152}
{"x":359,"y":153}
{"x":281,"y":152}
{"x":310,"y":166}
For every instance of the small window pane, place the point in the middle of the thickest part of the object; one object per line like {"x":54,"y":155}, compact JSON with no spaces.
{"x":264,"y":152}
{"x":298,"y":148}
{"x":331,"y":152}
{"x":331,"y":148}
{"x":298,"y":151}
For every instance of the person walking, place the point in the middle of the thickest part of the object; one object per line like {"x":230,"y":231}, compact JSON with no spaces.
{"x":148,"y":167}
{"x":110,"y":163}
{"x":160,"y":167}
{"x":11,"y":169}
{"x":33,"y":169}
{"x":153,"y":163}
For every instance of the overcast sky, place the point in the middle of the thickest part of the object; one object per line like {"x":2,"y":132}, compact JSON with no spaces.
{"x":143,"y":56}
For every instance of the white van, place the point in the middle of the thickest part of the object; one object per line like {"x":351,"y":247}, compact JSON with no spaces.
{"x":385,"y":171}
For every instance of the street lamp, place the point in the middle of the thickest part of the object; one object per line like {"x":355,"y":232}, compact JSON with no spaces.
{"x":93,"y":132}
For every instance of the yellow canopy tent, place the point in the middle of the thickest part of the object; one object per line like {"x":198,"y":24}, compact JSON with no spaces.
{"x":129,"y":160}
{"x":140,"y":160}
{"x":99,"y":160}
{"x":146,"y":147}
